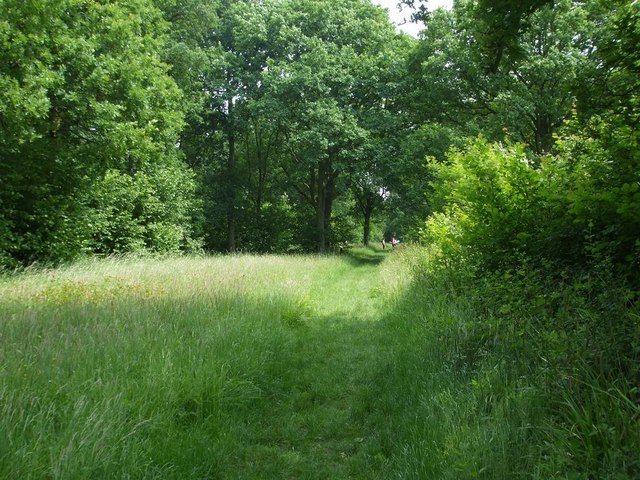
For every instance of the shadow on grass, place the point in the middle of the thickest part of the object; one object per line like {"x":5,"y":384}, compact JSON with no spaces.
{"x":247,"y":384}
{"x":233,"y":384}
{"x":363,"y":256}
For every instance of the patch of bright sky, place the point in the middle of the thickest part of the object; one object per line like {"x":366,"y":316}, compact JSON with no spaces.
{"x":402,"y":17}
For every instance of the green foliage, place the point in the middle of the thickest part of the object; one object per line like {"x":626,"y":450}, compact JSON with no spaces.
{"x":84,"y":90}
{"x":595,"y":180}
{"x":497,"y":27}
{"x":490,"y":200}
{"x":148,"y":211}
{"x":577,"y":206}
{"x":529,"y":96}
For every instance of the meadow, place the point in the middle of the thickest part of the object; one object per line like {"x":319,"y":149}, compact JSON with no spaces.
{"x":221,"y":367}
{"x":359,"y":366}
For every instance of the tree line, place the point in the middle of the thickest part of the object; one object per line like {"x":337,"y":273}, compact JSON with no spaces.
{"x":288,"y":125}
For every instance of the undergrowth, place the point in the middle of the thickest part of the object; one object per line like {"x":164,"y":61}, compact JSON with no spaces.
{"x":512,"y":376}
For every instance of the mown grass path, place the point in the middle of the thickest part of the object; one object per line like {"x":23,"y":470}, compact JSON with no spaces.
{"x":320,"y":427}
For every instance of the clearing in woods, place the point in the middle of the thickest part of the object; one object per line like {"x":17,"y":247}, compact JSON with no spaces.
{"x":225,"y":367}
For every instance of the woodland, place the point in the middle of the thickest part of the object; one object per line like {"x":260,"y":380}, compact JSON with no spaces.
{"x":501,"y":146}
{"x":293,"y":126}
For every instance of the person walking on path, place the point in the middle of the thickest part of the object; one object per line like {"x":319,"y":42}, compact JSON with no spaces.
{"x":394,"y":240}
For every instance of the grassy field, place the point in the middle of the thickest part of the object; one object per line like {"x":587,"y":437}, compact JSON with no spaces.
{"x":360,"y":366}
{"x":224,"y":367}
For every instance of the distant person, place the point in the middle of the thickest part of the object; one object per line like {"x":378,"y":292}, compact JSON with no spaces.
{"x":394,"y":240}
{"x":384,"y":244}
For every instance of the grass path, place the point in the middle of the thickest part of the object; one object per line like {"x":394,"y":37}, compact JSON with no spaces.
{"x":320,"y":427}
{"x":272,"y":367}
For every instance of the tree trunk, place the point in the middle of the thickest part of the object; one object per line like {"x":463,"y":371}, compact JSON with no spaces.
{"x":328,"y":206}
{"x":320,"y":209}
{"x":544,"y":138}
{"x":366,"y":202}
{"x":324,"y":203}
{"x":231,"y":178}
{"x":367,"y":227}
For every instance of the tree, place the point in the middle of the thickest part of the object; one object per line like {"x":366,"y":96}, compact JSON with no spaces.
{"x":83,"y":90}
{"x":529,"y":97}
{"x":318,"y":85}
{"x":497,"y":25}
{"x":235,"y":45}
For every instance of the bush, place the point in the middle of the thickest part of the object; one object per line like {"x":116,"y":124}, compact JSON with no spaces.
{"x":576,"y":209}
{"x":488,"y":199}
{"x":594,"y":180}
{"x":148,"y":211}
{"x":548,"y":249}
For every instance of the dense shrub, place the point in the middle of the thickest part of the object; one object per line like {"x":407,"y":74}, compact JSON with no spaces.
{"x":594,"y":181}
{"x":547,"y":251}
{"x":577,"y":208}
{"x":83,"y":90}
{"x":488,"y":200}
{"x":149,"y":210}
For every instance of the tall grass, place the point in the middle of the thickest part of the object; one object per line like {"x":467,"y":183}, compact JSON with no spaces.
{"x":307,"y":368}
{"x":472,"y":389}
{"x":227,"y":367}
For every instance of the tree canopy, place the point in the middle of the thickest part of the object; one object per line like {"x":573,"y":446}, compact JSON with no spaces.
{"x":282,"y":125}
